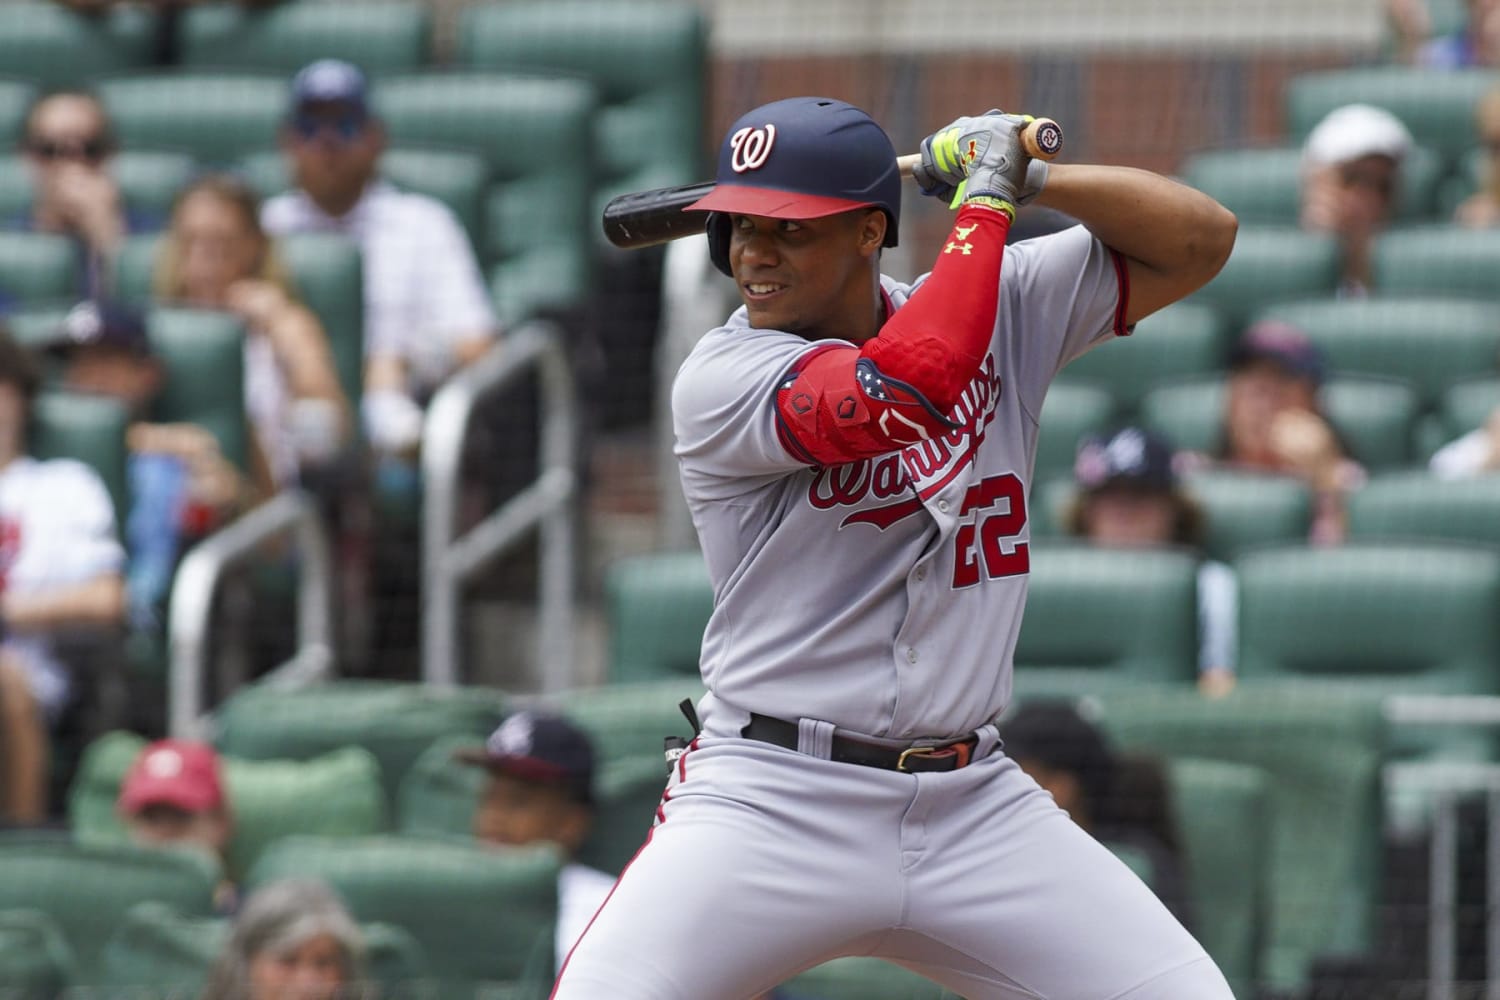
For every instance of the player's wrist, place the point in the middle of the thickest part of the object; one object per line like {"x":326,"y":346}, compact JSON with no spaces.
{"x":993,"y":203}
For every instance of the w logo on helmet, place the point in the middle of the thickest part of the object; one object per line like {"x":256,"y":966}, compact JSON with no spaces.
{"x":751,"y":147}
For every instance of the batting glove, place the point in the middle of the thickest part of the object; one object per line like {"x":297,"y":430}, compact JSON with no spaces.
{"x":980,"y":157}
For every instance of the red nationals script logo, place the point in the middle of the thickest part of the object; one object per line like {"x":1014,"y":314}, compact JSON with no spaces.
{"x":751,"y":147}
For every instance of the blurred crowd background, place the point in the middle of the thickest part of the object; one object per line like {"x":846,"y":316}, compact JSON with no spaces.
{"x":347,"y":591}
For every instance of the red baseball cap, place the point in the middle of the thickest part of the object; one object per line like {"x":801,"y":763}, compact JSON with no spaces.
{"x":176,"y":773}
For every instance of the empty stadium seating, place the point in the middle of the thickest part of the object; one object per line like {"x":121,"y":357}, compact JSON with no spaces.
{"x":214,"y":117}
{"x":35,"y":960}
{"x":1072,"y":409}
{"x":378,"y":37}
{"x":15,"y":98}
{"x":90,"y":429}
{"x":55,"y":47}
{"x":327,"y":275}
{"x":1271,"y":264}
{"x":1467,"y":403}
{"x":39,"y":268}
{"x":1244,"y":510}
{"x":630,"y":720}
{"x":1439,"y":260}
{"x":203,"y":356}
{"x":1184,"y":340}
{"x":1414,"y":505}
{"x":658,"y":606}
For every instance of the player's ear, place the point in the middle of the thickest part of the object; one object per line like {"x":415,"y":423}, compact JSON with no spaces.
{"x":872,"y":231}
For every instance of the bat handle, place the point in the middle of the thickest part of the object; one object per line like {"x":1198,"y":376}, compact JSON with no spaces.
{"x":1042,"y":140}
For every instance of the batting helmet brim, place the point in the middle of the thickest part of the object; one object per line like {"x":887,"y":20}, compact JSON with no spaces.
{"x":742,"y":199}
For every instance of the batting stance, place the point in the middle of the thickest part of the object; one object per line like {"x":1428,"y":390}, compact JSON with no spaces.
{"x":856,"y":453}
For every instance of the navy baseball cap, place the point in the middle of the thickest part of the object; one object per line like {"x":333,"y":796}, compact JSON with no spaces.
{"x":1130,"y":456}
{"x":100,"y":323}
{"x":805,"y":158}
{"x":329,"y":81}
{"x":1283,"y":344}
{"x":546,"y":749}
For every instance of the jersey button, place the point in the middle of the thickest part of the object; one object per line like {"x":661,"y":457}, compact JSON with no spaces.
{"x":911,"y":654}
{"x":943,"y":506}
{"x":921,"y":573}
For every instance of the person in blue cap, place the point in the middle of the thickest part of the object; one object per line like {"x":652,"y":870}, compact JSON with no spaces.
{"x":856,"y":454}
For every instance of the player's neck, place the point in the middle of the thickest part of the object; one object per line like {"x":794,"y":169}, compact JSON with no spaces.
{"x":866,"y":322}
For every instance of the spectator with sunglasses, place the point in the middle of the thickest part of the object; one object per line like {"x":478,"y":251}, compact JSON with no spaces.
{"x":427,"y":311}
{"x":1351,"y":173}
{"x":67,"y":146}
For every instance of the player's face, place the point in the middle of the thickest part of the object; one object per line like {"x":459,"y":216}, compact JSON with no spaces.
{"x":1128,"y":517}
{"x":514,"y":813}
{"x":333,"y":148}
{"x":218,"y":245}
{"x":812,"y":277}
{"x":312,"y":970}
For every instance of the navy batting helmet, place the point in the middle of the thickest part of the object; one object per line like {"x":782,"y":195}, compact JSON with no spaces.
{"x":801,"y":158}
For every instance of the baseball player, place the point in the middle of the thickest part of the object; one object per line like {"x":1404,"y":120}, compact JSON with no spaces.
{"x":856,"y":454}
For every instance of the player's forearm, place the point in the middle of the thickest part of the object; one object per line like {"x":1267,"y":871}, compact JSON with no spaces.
{"x":1165,"y":227}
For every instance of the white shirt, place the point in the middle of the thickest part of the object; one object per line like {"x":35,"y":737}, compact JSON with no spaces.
{"x":581,"y":890}
{"x":57,"y":529}
{"x":423,"y":289}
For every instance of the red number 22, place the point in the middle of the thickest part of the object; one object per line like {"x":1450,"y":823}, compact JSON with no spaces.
{"x":984,"y":539}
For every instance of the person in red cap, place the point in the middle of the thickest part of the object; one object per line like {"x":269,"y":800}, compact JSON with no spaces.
{"x":540,"y":790}
{"x":173,"y":796}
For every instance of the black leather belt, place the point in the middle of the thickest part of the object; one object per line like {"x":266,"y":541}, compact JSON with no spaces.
{"x":912,"y":759}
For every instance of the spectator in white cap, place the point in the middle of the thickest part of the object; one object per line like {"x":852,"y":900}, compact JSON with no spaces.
{"x":1351,"y":174}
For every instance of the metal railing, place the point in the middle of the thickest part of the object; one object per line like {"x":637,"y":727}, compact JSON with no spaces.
{"x":1447,"y":781}
{"x":291,"y":513}
{"x":547,"y":504}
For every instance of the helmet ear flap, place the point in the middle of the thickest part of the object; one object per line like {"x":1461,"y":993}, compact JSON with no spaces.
{"x":717,"y":228}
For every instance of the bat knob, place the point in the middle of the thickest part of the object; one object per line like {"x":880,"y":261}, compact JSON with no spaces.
{"x":1042,"y":139}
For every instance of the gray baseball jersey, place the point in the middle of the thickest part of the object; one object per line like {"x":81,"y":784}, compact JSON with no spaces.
{"x":883,"y":595}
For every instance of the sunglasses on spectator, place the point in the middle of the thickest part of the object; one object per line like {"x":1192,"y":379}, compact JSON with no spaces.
{"x":345,"y":128}
{"x":86,"y":151}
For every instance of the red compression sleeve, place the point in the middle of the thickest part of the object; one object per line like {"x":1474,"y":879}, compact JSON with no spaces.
{"x":840,"y":404}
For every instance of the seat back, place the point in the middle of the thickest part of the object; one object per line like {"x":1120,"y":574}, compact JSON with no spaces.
{"x":627,"y":792}
{"x":1071,"y":409}
{"x":328,"y":273}
{"x":1468,"y":403}
{"x":630,"y":720}
{"x":378,"y":37}
{"x":214,"y":117}
{"x":15,"y":100}
{"x":479,"y":915}
{"x":337,"y":794}
{"x":35,"y":960}
{"x":203,"y":355}
{"x":1439,"y":260}
{"x":1431,"y":342}
{"x":1246,"y":510}
{"x":658,"y":606}
{"x":87,"y":888}
{"x":1416,"y":505}
{"x":1143,"y":614}
{"x":57,"y":47}
{"x":90,"y":429}
{"x":394,"y":721}
{"x":1322,"y":751}
{"x":39,"y":268}
{"x":1272,"y":264}
{"x":1184,"y":340}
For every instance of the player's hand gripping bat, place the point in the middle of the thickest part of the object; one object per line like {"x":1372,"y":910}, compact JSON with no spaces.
{"x":647,"y":218}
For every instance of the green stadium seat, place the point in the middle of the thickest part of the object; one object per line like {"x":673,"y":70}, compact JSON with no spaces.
{"x":337,"y":794}
{"x":658,"y":606}
{"x":1429,"y":341}
{"x":1321,"y":751}
{"x":35,"y":960}
{"x":90,"y":429}
{"x":39,"y":268}
{"x":541,"y":243}
{"x":149,"y":182}
{"x":628,"y":791}
{"x":1468,"y":403}
{"x":647,"y":59}
{"x":87,"y":889}
{"x":1244,"y":510}
{"x":1464,"y":181}
{"x":1438,"y":108}
{"x":56,"y":47}
{"x":328,"y":273}
{"x":1262,"y":187}
{"x":15,"y":100}
{"x":1416,"y":505}
{"x":203,"y":355}
{"x":1223,"y":811}
{"x":438,"y":795}
{"x":1072,"y":409}
{"x":394,"y":721}
{"x":214,"y":117}
{"x":1388,"y":616}
{"x":1143,"y":615}
{"x":378,"y":37}
{"x":1375,"y":417}
{"x":1271,"y":264}
{"x":859,"y":978}
{"x":478,"y":914}
{"x":15,"y":189}
{"x":1439,"y":260}
{"x":159,"y":949}
{"x":1184,"y":340}
{"x":630,"y":720}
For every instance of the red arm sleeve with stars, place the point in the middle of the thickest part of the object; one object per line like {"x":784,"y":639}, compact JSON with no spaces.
{"x":840,"y":404}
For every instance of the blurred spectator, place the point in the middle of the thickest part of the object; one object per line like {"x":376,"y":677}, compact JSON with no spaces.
{"x":60,"y":564}
{"x":181,"y":485}
{"x":1481,"y":209}
{"x":1274,"y":421}
{"x":1129,"y":496}
{"x":541,"y":790}
{"x":427,"y":311}
{"x":1122,"y":800}
{"x":216,"y":256}
{"x":1474,"y":454}
{"x":1351,"y":176}
{"x":173,"y":796}
{"x":1477,"y":43}
{"x":67,"y":148}
{"x":293,"y":940}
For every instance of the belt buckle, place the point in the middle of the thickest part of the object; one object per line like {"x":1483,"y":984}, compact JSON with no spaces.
{"x":962,"y":750}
